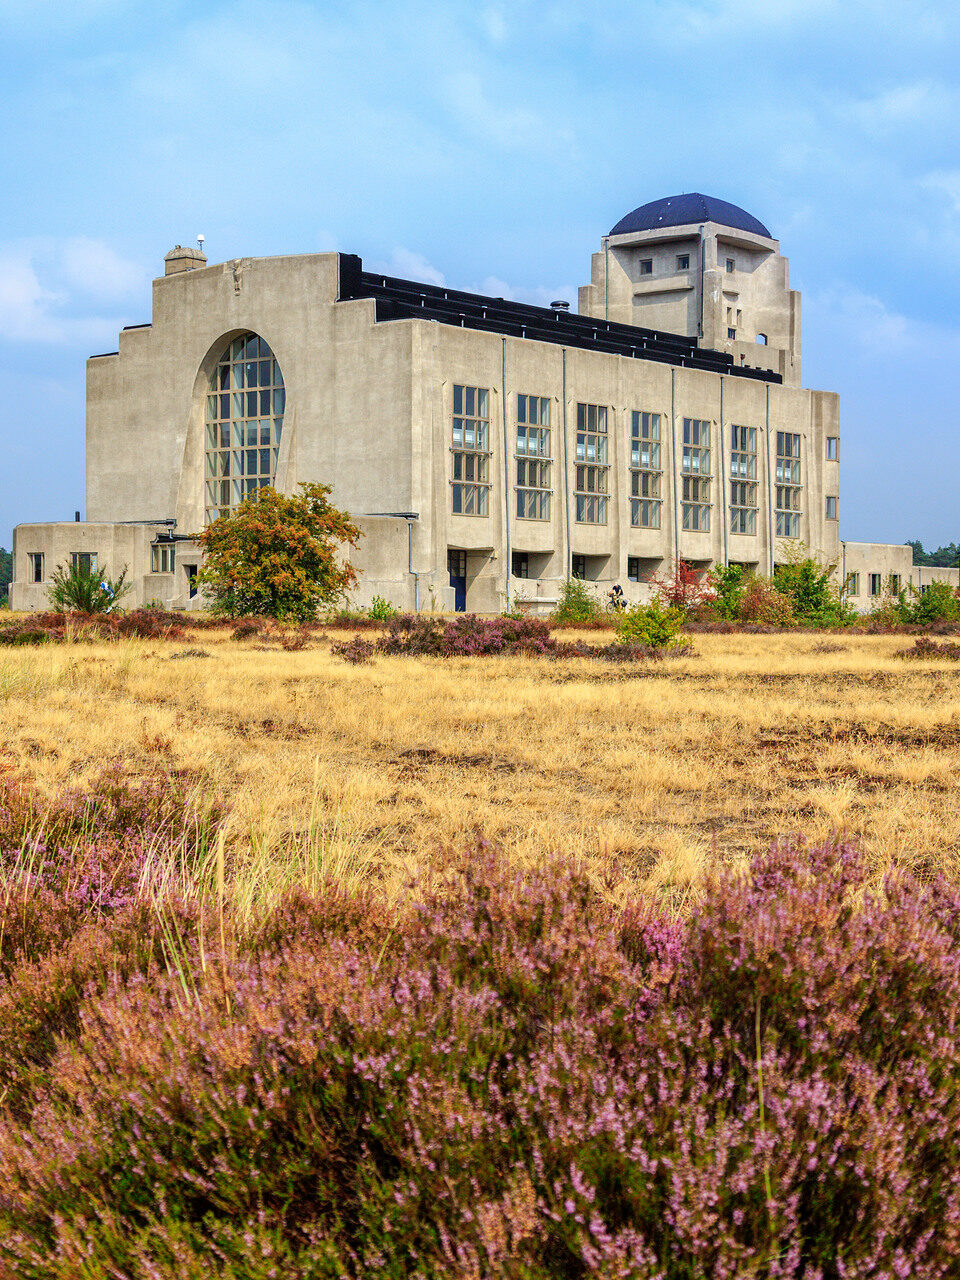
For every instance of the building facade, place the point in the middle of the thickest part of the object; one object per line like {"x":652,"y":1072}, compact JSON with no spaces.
{"x":487,"y":449}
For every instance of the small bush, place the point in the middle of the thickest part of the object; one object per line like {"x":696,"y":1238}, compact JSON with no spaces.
{"x":650,"y":625}
{"x":924,"y":648}
{"x":577,"y":603}
{"x":938,"y":602}
{"x":355,"y":651}
{"x":245,"y":629}
{"x":761,"y":602}
{"x":685,"y":588}
{"x":80,"y":590}
{"x":382,"y":610}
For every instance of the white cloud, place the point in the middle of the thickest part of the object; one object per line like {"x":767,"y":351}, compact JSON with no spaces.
{"x":503,"y":124}
{"x":920,"y":102}
{"x":535,"y":295}
{"x":946,"y":181}
{"x":409,"y":265}
{"x":52,"y":290}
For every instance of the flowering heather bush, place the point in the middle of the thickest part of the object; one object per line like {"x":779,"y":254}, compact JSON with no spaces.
{"x":470,"y":636}
{"x":506,"y":1078}
{"x":924,"y":647}
{"x":37,"y":628}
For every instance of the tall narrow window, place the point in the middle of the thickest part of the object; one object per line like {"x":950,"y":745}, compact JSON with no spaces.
{"x":646,"y":473}
{"x":471,"y":451}
{"x":831,"y":508}
{"x":244,"y":421}
{"x":35,"y":561}
{"x":788,"y":485}
{"x":533,"y":458}
{"x":163,"y":557}
{"x":695,"y":505}
{"x":743,"y":479}
{"x":592,"y":466}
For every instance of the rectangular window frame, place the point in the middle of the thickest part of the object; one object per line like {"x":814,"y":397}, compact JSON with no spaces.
{"x":163,"y":558}
{"x":833,"y":448}
{"x":696,"y":472}
{"x":646,"y":470}
{"x":35,"y":561}
{"x":533,"y":459}
{"x":86,"y":560}
{"x":592,"y":468}
{"x":788,"y":486}
{"x":470,"y":451}
{"x":830,"y":507}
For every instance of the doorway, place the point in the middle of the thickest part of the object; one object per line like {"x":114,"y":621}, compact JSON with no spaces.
{"x":457,"y":568}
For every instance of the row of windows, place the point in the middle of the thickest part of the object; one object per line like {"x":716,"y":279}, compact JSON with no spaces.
{"x":471,"y":467}
{"x":162,"y":561}
{"x":683,"y":264}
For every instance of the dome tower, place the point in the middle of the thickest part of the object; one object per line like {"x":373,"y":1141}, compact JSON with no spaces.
{"x":705,"y":268}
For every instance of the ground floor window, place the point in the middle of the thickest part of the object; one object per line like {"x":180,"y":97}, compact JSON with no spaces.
{"x":633,"y":568}
{"x":579,"y":566}
{"x":521,"y":564}
{"x":853,"y":584}
{"x":163,"y":558}
{"x":35,"y":563}
{"x":84,"y":561}
{"x":876,"y":584}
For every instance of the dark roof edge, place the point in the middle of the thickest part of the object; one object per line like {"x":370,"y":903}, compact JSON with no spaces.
{"x":398,"y":299}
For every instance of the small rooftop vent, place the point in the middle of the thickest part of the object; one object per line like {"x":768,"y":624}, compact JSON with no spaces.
{"x":183,"y":259}
{"x":560,"y":305}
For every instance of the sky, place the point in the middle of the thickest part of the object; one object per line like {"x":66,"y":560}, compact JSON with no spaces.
{"x":489,"y":146}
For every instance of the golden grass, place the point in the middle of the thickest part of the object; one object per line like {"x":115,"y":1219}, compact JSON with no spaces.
{"x":365,"y":772}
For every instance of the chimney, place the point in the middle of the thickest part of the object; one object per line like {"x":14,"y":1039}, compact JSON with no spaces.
{"x":181,"y":259}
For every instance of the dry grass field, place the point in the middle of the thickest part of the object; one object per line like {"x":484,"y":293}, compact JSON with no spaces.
{"x":653,"y":771}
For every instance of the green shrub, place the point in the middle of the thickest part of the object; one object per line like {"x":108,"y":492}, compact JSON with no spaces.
{"x":382,"y":610}
{"x":651,"y":625}
{"x":80,"y":590}
{"x":577,"y":604}
{"x":728,"y":582}
{"x":761,"y":602}
{"x":936,"y":603}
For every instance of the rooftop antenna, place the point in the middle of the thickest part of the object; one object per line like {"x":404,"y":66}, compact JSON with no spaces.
{"x":200,"y":240}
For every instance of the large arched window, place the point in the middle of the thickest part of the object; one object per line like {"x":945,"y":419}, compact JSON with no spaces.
{"x":244,"y":421}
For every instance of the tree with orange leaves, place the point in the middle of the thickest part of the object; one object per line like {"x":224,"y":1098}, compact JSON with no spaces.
{"x":277,"y":555}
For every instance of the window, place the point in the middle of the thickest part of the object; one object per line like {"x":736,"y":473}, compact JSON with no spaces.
{"x":521,"y":564}
{"x":696,"y":474}
{"x":683,"y":262}
{"x":831,"y":508}
{"x":35,"y":562}
{"x":876,"y":584}
{"x":580,"y":566}
{"x":163,"y":557}
{"x":85,"y":561}
{"x":646,"y":473}
{"x":852,"y":585}
{"x":761,"y":339}
{"x":788,"y":485}
{"x":646,"y":266}
{"x":533,"y":458}
{"x":895,"y":584}
{"x":731,"y":333}
{"x":633,"y":568}
{"x":592,"y":469}
{"x":833,"y":448}
{"x":244,"y":420}
{"x":471,"y":451}
{"x":731,"y":264}
{"x":743,"y":479}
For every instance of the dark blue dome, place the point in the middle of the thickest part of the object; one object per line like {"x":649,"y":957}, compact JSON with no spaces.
{"x":679,"y":211}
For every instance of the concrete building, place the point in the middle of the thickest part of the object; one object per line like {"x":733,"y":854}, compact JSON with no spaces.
{"x":488,"y":449}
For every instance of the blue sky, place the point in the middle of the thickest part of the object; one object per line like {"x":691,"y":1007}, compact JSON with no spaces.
{"x":491,"y":146}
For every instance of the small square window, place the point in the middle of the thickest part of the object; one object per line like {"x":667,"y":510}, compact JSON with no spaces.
{"x":731,"y":265}
{"x":831,"y":508}
{"x":761,"y":339}
{"x":683,"y":262}
{"x":833,"y":448}
{"x":646,"y":266}
{"x":85,"y":561}
{"x":731,"y":333}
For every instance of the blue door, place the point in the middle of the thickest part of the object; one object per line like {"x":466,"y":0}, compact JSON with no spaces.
{"x":457,"y":568}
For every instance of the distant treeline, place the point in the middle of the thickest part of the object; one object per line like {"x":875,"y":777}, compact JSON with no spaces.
{"x":6,"y":572}
{"x":943,"y":558}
